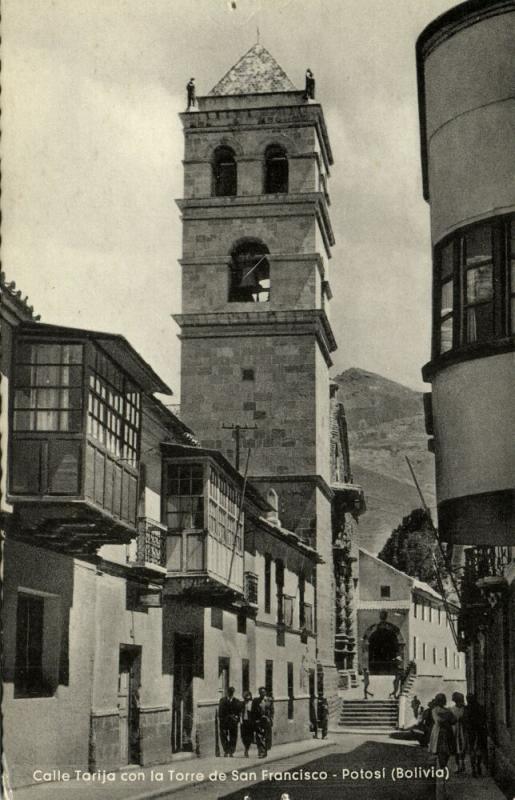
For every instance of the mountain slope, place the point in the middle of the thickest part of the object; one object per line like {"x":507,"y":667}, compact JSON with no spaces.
{"x":386,"y":423}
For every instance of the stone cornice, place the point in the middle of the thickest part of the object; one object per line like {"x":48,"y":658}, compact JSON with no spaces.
{"x":260,"y":323}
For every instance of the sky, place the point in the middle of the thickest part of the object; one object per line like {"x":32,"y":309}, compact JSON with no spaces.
{"x":92,"y":148}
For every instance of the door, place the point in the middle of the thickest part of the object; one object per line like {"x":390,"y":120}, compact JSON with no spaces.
{"x":182,"y":706}
{"x":128,"y":704}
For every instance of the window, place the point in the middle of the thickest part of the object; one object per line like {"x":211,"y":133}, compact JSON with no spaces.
{"x":245,"y":675}
{"x":415,"y":608}
{"x":475,"y":285}
{"x":217,"y":618}
{"x":446,"y":656}
{"x":424,"y":651}
{"x":302,"y":593}
{"x":439,"y":616}
{"x":435,"y":655}
{"x":430,"y":612}
{"x":268,"y":582}
{"x":269,"y":677}
{"x":28,"y":672}
{"x":249,"y":273}
{"x":289,"y":683}
{"x":225,"y":176}
{"x":247,"y":375}
{"x":185,"y":497}
{"x":414,"y":647}
{"x":276,"y":170}
{"x":224,"y":511}
{"x":385,"y":591}
{"x":308,"y":617}
{"x":114,"y":410}
{"x":288,"y":610}
{"x":48,"y":387}
{"x":279,"y":583}
{"x":242,"y":622}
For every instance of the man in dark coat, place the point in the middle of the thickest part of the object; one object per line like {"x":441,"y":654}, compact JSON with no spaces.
{"x":263,"y":713}
{"x":191,"y":92}
{"x":229,"y":709}
{"x":323,"y":714}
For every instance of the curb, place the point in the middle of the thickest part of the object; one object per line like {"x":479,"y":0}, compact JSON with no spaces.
{"x":162,"y":792}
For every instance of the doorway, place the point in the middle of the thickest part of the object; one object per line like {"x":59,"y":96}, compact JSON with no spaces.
{"x":383,"y":650}
{"x":129,"y":680}
{"x":182,"y":706}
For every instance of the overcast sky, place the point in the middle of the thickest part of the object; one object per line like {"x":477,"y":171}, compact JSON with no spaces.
{"x":92,"y":149}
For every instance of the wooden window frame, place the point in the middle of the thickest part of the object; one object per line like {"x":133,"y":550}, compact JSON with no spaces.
{"x":503,"y":293}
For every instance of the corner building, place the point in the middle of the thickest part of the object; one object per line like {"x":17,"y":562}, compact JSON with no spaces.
{"x":466,"y":80}
{"x":256,"y":338}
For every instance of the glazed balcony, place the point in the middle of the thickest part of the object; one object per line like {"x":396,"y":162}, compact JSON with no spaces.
{"x":205,"y":530}
{"x":74,"y":437}
{"x":251,"y":589}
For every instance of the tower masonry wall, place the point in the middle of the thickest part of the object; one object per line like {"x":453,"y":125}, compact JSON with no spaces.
{"x":280,"y":401}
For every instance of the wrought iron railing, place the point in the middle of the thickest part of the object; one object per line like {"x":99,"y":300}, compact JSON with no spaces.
{"x":251,"y":588}
{"x":151,"y":542}
{"x":486,"y":562}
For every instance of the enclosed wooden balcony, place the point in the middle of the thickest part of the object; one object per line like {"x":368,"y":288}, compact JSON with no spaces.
{"x":205,"y":519}
{"x":75,"y":436}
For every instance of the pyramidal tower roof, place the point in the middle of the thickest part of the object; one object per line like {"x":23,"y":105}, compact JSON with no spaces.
{"x":257,"y":72}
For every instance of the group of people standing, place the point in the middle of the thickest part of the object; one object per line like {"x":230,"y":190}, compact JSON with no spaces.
{"x":456,"y":731}
{"x":253,"y":716}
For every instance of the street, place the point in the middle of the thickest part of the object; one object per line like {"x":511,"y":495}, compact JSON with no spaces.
{"x":350,"y":753}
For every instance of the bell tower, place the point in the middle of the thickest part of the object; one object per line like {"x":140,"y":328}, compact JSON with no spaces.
{"x":255,"y":332}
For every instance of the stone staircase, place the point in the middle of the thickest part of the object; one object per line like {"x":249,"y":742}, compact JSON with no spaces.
{"x":369,"y":715}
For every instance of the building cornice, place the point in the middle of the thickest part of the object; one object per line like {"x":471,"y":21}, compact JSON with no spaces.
{"x":471,"y":352}
{"x":260,"y":323}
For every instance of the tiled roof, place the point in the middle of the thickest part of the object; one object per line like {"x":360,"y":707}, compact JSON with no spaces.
{"x":257,"y":72}
{"x":15,"y":296}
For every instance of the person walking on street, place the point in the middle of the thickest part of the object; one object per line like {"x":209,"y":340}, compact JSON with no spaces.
{"x":460,"y":735}
{"x":441,"y":742}
{"x":229,"y":709}
{"x":397,"y":680}
{"x":323,"y":714}
{"x":262,"y":714}
{"x":415,"y":705}
{"x":313,"y":718}
{"x":247,"y":722}
{"x":366,"y":684}
{"x":474,"y":721}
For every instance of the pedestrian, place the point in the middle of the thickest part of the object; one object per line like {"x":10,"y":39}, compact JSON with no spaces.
{"x":366,"y":684}
{"x":441,"y":742}
{"x":313,"y":718}
{"x":229,"y":709}
{"x":397,"y":679}
{"x":271,"y":712}
{"x":323,"y":714}
{"x":460,"y":735}
{"x":247,"y":722}
{"x":262,"y":714}
{"x":415,"y":705}
{"x":474,"y":721}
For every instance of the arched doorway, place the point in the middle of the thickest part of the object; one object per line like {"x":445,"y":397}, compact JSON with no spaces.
{"x":383,"y":649}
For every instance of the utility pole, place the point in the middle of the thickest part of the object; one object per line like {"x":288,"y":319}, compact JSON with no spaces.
{"x":237,"y":436}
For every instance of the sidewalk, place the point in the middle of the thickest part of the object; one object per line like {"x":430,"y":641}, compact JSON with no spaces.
{"x":465,"y":787}
{"x":156,"y":781}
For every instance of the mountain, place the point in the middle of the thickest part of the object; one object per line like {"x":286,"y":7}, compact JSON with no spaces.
{"x":386,"y":423}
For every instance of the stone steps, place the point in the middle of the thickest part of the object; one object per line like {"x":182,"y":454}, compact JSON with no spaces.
{"x":370,"y":714}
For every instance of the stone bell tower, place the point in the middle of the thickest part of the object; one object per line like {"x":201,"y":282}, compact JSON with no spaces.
{"x":256,"y":337}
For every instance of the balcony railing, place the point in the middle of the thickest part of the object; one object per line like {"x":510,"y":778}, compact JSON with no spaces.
{"x":486,"y":562}
{"x":150,"y":546}
{"x":250,"y":588}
